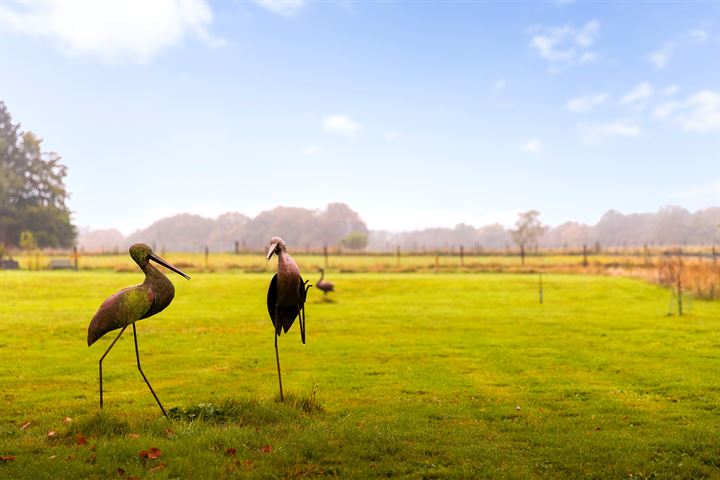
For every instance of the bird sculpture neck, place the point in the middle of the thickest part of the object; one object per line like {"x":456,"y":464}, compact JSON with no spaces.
{"x":156,"y":278}
{"x":151,"y":272}
{"x":322,"y":275}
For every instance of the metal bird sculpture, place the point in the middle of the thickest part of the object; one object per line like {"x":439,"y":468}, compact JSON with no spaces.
{"x":132,"y":304}
{"x":286,"y":297}
{"x":323,"y":285}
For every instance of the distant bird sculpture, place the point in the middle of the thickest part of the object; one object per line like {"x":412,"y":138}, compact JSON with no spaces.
{"x":132,"y":304}
{"x":286,"y":297}
{"x":323,"y":285}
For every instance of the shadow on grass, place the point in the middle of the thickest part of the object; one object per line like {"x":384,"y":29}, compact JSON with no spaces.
{"x":249,"y":411}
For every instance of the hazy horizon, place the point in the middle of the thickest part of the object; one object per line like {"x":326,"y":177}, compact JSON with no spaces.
{"x":509,"y":224}
{"x":415,"y":117}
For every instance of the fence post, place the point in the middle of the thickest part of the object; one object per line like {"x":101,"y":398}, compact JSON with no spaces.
{"x":207,"y":253}
{"x":75,"y":257}
{"x":522,"y":254}
{"x":679,"y":294}
{"x":462,"y":255}
{"x":585,"y":262}
{"x":325,"y":254}
{"x":237,"y":247}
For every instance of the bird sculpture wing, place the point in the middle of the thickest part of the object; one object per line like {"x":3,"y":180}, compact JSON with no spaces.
{"x":120,"y":310}
{"x":284,"y":314}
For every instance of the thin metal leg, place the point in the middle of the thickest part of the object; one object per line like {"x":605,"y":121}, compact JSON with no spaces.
{"x":301,"y":320}
{"x":137,"y":355}
{"x":277,"y":357}
{"x":103,"y":358}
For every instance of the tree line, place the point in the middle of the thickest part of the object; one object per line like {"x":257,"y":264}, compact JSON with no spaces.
{"x":338,"y":226}
{"x":33,"y":196}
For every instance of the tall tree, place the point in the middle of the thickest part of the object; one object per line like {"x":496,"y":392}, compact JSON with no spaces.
{"x":528,"y":231}
{"x":32,"y":189}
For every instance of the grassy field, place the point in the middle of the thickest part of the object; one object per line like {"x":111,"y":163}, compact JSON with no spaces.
{"x":407,"y":376}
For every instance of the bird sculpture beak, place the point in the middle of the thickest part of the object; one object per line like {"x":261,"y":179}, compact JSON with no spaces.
{"x":162,"y":262}
{"x":273,"y":246}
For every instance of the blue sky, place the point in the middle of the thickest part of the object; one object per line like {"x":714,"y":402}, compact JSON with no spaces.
{"x":416,"y":114}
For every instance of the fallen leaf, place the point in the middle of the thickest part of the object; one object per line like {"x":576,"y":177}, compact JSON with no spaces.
{"x":158,"y":468}
{"x":133,"y":436}
{"x":597,"y":429}
{"x":67,"y":420}
{"x":266,"y":449}
{"x":248,"y":464}
{"x":24,"y":426}
{"x":53,"y":457}
{"x":80,"y":440}
{"x":121,"y":472}
{"x":230,"y":452}
{"x":154,"y":453}
{"x":143,"y":454}
{"x":168,"y":433}
{"x":52,"y":434}
{"x":7,"y":458}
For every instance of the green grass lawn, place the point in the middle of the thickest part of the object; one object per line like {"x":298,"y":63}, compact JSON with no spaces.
{"x":403,"y":375}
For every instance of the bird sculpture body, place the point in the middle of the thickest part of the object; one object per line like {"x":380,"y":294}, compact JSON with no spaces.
{"x":324,"y":285}
{"x":286,"y":297}
{"x":132,"y":304}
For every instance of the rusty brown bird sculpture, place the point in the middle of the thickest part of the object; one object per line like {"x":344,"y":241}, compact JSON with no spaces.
{"x":323,"y":285}
{"x":132,"y":304}
{"x":286,"y":297}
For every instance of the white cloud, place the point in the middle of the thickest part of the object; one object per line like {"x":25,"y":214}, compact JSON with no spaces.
{"x":391,"y":136}
{"x":600,"y":131}
{"x":671,"y":90}
{"x":134,"y":30}
{"x":697,"y":113}
{"x":639,"y":94}
{"x":661,"y":57}
{"x":697,"y":36}
{"x":532,"y":146}
{"x":341,"y":124}
{"x":285,"y":8}
{"x":566,"y":46}
{"x":587,"y":103}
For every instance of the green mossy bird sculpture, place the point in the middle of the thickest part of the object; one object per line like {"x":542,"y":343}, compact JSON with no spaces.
{"x":132,"y":304}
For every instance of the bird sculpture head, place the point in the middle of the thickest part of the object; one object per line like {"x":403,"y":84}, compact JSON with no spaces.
{"x":277,"y":245}
{"x":142,"y":254}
